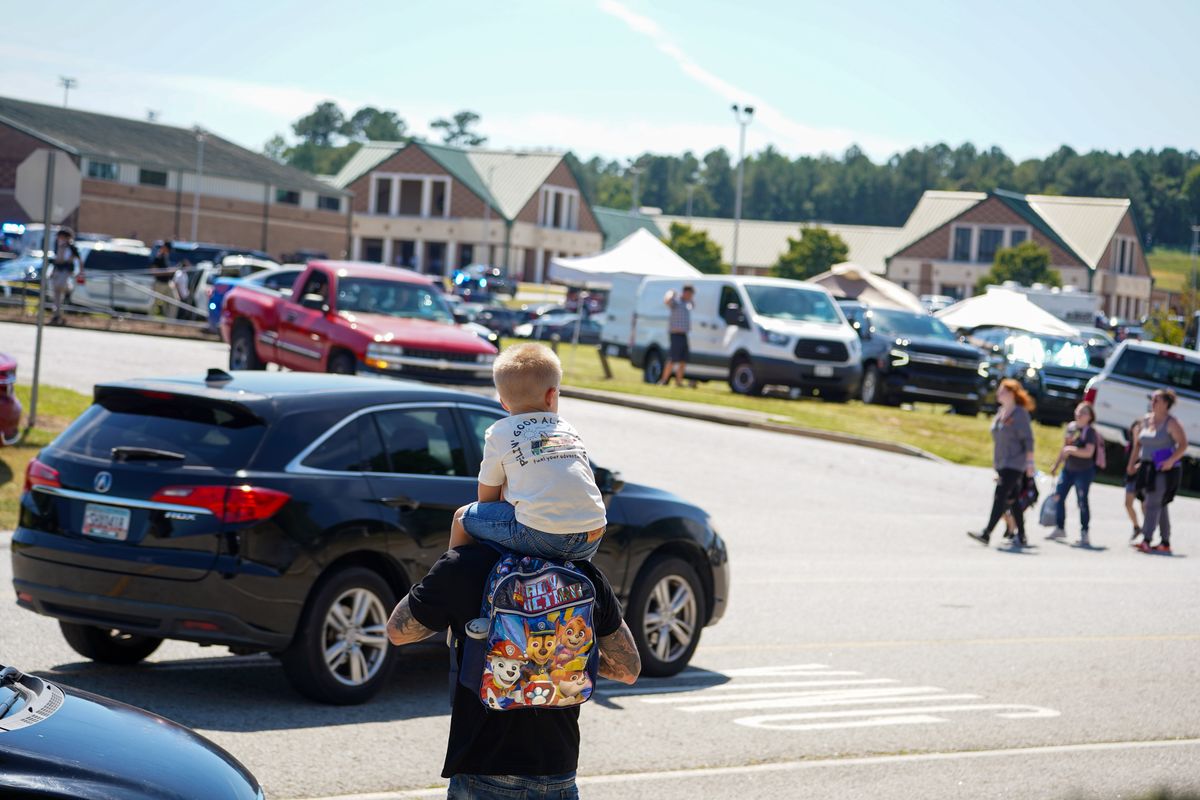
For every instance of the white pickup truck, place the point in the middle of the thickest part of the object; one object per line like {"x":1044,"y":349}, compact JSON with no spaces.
{"x":1120,"y":393}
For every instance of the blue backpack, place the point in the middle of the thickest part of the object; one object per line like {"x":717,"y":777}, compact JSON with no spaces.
{"x":533,"y":645}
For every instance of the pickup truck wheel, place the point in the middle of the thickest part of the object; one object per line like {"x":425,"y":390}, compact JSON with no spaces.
{"x":242,"y":354}
{"x":341,"y":654}
{"x":666,"y":613}
{"x":342,"y":363}
{"x":106,"y":645}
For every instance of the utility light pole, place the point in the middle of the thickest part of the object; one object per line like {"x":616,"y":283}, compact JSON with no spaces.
{"x":743,"y":115}
{"x":68,"y":84}
{"x":693,"y":180}
{"x":636,"y":172}
{"x":199,"y":178}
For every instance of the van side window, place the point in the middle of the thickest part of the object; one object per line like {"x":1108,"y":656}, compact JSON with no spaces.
{"x":729,"y":296}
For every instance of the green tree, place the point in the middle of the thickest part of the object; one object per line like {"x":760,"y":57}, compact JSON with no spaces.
{"x":321,"y":125}
{"x":1191,"y":191}
{"x":369,"y":124}
{"x":813,"y":253}
{"x":457,"y":130}
{"x":696,"y":248}
{"x":1027,"y":263}
{"x":276,"y":149}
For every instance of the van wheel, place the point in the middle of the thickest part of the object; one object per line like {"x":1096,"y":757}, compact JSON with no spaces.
{"x":872,"y":386}
{"x":106,"y":645}
{"x":242,"y":354}
{"x":652,"y":370}
{"x":742,"y":379}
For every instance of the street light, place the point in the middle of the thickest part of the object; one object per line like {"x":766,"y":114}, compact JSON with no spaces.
{"x":199,"y":177}
{"x":68,"y":84}
{"x":693,"y":181}
{"x":743,"y":115}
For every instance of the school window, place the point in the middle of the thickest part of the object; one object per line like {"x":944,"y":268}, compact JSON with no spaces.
{"x":287,"y":197}
{"x":152,"y":177}
{"x":990,"y":240}
{"x":102,"y":170}
{"x":558,"y":208}
{"x":328,"y":203}
{"x":372,"y":250}
{"x":962,"y":244}
{"x":1016,"y":236}
{"x":383,"y":196}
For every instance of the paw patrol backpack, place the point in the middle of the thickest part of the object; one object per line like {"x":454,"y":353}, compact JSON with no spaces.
{"x":533,"y":645}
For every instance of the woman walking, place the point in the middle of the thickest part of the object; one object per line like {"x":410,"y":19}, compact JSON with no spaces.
{"x":1154,"y":460}
{"x":1079,"y":453}
{"x":1012,"y":457}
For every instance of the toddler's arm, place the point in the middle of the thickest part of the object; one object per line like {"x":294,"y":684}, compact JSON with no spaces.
{"x":490,"y":494}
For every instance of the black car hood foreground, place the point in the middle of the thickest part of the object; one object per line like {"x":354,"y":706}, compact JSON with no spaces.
{"x":643,"y":505}
{"x":67,"y":743}
{"x":941,"y":347}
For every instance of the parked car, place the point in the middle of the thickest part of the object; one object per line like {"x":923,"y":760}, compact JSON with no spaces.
{"x":117,"y":278}
{"x":255,"y":509}
{"x":561,"y":326}
{"x":195,"y":252}
{"x":57,"y":742}
{"x":481,"y":280}
{"x":262,"y":274}
{"x":936,"y":302}
{"x":1053,"y":369}
{"x":10,"y":406}
{"x":350,"y":317}
{"x":499,"y":319}
{"x":753,"y":332}
{"x":1100,"y":345}
{"x":1119,"y":392}
{"x":910,"y":357}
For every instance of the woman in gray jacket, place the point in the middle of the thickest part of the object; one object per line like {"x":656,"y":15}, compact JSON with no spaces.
{"x":1012,"y":456}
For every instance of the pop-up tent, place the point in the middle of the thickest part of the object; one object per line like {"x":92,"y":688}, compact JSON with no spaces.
{"x":1006,"y":308}
{"x":639,"y":253}
{"x":858,"y":283}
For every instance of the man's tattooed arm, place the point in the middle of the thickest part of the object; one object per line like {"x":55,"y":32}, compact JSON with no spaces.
{"x":619,"y":658}
{"x":403,"y":628}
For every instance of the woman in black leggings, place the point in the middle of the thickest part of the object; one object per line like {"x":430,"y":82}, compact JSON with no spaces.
{"x":1012,"y":457}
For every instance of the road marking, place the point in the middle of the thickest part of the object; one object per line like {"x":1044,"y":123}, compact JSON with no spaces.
{"x":732,"y":648}
{"x":818,"y":763}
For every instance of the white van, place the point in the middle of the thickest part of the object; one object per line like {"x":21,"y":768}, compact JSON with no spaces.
{"x":616,"y":332}
{"x":752,"y":332}
{"x":1120,"y":393}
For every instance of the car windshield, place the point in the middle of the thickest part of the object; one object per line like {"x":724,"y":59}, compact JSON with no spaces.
{"x":785,"y":302}
{"x":393,"y":298}
{"x":1038,"y":351}
{"x":905,"y":323}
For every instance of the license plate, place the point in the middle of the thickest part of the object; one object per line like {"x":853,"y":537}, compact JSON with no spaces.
{"x":823,"y":371}
{"x":106,"y":522}
{"x":613,"y":350}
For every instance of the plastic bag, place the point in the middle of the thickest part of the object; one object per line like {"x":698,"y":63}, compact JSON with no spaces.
{"x":1048,"y":518}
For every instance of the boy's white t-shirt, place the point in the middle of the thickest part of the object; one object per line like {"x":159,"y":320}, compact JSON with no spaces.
{"x":545,"y":466}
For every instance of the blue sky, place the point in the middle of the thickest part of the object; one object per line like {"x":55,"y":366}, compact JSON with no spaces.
{"x":620,"y":77}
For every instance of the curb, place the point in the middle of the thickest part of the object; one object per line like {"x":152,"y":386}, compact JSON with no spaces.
{"x":743,"y":419}
{"x":156,"y":330}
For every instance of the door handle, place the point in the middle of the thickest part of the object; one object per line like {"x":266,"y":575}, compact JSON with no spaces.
{"x":289,"y":317}
{"x":401,"y":502}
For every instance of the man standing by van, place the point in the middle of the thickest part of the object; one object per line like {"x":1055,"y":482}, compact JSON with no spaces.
{"x":679,"y":325}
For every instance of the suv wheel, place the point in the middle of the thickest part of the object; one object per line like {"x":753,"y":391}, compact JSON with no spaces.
{"x":340,"y":654}
{"x":872,"y":388}
{"x":665,"y":616}
{"x":106,"y":645}
{"x":742,"y":379}
{"x":241,"y":349}
{"x":652,"y":369}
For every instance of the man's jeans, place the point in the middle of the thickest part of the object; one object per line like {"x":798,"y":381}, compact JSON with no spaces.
{"x":1082,"y":481}
{"x":513,"y":787}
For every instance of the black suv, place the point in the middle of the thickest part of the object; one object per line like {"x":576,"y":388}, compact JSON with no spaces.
{"x":1053,"y":369}
{"x":287,"y":512}
{"x":910,"y":356}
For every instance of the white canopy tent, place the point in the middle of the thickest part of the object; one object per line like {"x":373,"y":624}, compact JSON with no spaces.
{"x":858,"y":283}
{"x":640,"y":253}
{"x":1004,"y":307}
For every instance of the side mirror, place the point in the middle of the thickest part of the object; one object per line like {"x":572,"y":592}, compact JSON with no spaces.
{"x":314,"y":302}
{"x":733,"y":315}
{"x":607,"y":481}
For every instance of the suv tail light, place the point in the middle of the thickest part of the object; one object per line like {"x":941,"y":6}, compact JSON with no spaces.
{"x":230,"y":504}
{"x":38,"y":473}
{"x":1089,"y":396}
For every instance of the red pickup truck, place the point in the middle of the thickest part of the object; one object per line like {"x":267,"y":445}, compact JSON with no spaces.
{"x":10,"y":406}
{"x":352,"y":318}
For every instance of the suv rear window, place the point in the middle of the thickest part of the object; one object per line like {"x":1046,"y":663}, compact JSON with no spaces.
{"x":115,"y":261}
{"x":1162,"y":368}
{"x":207,"y":435}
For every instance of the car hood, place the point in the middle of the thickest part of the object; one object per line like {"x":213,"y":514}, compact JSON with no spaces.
{"x":417,"y":333}
{"x":92,"y":747}
{"x":941,"y":347}
{"x":644,"y":504}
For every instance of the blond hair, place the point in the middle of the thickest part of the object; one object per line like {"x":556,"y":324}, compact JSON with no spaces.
{"x":524,"y":373}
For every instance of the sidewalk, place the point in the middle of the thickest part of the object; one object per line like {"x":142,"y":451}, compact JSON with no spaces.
{"x":742,"y":418}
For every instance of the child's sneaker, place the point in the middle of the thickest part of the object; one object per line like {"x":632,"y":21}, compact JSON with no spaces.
{"x":1057,"y":533}
{"x":1161,"y":548}
{"x":1142,"y":546}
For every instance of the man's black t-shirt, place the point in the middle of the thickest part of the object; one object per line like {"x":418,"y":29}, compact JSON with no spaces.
{"x":485,"y":742}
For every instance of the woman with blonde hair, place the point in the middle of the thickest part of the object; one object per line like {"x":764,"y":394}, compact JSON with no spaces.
{"x":1012,"y":457}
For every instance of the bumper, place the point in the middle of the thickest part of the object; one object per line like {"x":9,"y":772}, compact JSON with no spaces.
{"x":10,"y":416}
{"x":1055,"y":405}
{"x":718,"y":557}
{"x":904,"y":385}
{"x":809,"y":375}
{"x":236,"y":610}
{"x":411,"y":367}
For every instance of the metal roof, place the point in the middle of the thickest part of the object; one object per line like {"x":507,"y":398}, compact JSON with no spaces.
{"x":150,"y":144}
{"x":762,"y":242}
{"x":1087,"y":224}
{"x":617,"y":224}
{"x":932,"y":211}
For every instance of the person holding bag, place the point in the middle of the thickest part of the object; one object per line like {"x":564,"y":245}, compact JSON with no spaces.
{"x":1080,"y":452}
{"x":1012,"y":457}
{"x":1154,"y":459}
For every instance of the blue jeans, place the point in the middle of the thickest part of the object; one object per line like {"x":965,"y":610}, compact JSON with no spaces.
{"x":1082,"y":481}
{"x":497,"y":523}
{"x":513,"y":787}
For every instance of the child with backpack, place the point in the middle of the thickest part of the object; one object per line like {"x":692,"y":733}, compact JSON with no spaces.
{"x":1081,"y":455}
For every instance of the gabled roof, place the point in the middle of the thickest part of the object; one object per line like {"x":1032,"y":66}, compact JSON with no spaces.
{"x":932,"y":211}
{"x":1020,"y":205}
{"x":617,"y":224}
{"x":504,"y":179}
{"x":149,"y":144}
{"x":762,"y":242}
{"x":1087,"y":224}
